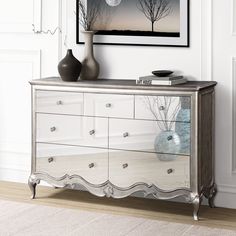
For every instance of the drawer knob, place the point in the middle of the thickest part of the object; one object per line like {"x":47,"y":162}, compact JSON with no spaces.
{"x":59,"y":102}
{"x":170,"y":171}
{"x":50,"y":159}
{"x":161,"y":108}
{"x":125,"y":165}
{"x":53,"y":129}
{"x":169,"y":138}
{"x":108,"y":105}
{"x":91,"y":165}
{"x":126,"y":134}
{"x":91,"y":132}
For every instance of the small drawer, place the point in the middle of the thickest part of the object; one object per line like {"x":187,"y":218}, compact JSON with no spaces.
{"x":142,"y":135}
{"x":72,"y":130}
{"x":129,"y":168}
{"x":169,"y":108}
{"x":57,"y":160}
{"x":59,"y":102}
{"x":109,"y":105}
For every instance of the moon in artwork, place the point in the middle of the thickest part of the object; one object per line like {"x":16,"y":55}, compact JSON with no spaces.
{"x":113,"y":3}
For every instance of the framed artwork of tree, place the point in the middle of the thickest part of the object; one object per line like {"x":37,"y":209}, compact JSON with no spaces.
{"x":138,"y":22}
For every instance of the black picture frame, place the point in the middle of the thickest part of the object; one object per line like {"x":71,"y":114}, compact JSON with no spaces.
{"x":182,"y":41}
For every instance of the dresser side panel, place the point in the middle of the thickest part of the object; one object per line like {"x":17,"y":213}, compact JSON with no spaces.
{"x":206,"y":139}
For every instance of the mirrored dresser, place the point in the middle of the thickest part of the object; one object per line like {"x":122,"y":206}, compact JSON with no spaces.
{"x":115,"y":138}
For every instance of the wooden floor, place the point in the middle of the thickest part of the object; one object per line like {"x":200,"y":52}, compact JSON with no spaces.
{"x":138,"y":207}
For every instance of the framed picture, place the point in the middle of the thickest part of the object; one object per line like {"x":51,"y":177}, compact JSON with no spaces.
{"x":138,"y":22}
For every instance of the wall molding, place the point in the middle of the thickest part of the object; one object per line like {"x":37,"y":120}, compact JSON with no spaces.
{"x":233,"y":78}
{"x":233,"y":17}
{"x":25,"y":27}
{"x":206,"y":40}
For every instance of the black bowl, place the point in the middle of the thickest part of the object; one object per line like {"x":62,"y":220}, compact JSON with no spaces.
{"x":162,"y":73}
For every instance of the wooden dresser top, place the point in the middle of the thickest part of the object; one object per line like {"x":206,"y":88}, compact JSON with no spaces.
{"x":123,"y":84}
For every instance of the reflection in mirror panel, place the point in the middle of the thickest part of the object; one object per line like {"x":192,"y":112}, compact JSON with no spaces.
{"x":58,"y":160}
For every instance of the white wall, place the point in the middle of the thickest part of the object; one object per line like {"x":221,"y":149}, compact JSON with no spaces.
{"x":34,"y":55}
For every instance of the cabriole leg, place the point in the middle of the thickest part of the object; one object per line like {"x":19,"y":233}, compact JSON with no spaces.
{"x":32,"y":182}
{"x":212,"y":195}
{"x":196,"y":206}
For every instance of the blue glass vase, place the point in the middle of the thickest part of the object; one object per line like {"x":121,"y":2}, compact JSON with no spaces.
{"x":183,"y":128}
{"x":167,"y":144}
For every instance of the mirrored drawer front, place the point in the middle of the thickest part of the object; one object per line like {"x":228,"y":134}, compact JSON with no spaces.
{"x":59,"y":102}
{"x":163,"y":108}
{"x":109,"y":105}
{"x":145,"y":135}
{"x":129,"y":168}
{"x":72,"y":130}
{"x":58,"y":160}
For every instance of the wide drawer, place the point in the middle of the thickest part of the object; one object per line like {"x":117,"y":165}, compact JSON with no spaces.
{"x":59,"y":102}
{"x":129,"y":168}
{"x":57,"y":160}
{"x":72,"y":130}
{"x":167,"y":108}
{"x":109,"y":105}
{"x":146,"y":135}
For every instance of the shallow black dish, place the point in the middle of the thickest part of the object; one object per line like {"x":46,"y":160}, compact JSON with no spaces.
{"x":162,"y":73}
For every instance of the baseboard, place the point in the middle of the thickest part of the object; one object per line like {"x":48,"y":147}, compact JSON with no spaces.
{"x":226,"y":196}
{"x":14,"y":175}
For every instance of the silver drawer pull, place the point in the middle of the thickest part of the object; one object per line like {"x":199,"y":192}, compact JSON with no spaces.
{"x":126,"y":134}
{"x":108,"y":105}
{"x":50,"y":159}
{"x":91,"y":165}
{"x":91,"y":132}
{"x":53,"y":129}
{"x":125,"y":165}
{"x":59,"y":102}
{"x":170,"y":171}
{"x":162,"y":108}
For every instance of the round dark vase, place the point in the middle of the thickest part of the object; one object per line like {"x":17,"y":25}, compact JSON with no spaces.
{"x":69,"y":67}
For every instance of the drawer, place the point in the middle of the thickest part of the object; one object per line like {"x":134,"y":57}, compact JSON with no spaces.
{"x":109,"y":105}
{"x":72,"y":130}
{"x":129,"y":168}
{"x":58,"y":160}
{"x":141,"y":135}
{"x":163,"y":108}
{"x":59,"y":102}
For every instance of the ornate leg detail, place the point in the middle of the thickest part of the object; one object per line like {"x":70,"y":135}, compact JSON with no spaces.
{"x":212,"y":194}
{"x":32,"y":182}
{"x":196,"y":206}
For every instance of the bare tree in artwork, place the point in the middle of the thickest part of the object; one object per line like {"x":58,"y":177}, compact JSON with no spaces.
{"x":88,"y":15}
{"x":154,"y":10}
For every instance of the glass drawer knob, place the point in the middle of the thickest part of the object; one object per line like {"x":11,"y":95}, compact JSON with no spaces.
{"x":53,"y":129}
{"x":50,"y":159}
{"x":59,"y":102}
{"x":91,"y":132}
{"x":161,"y":108}
{"x":125,"y":166}
{"x":169,"y":138}
{"x":169,"y":171}
{"x":91,"y":165}
{"x":108,"y":105}
{"x":126,"y":134}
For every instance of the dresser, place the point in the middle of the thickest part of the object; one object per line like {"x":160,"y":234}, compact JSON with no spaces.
{"x":115,"y":138}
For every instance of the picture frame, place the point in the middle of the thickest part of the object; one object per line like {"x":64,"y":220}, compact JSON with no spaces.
{"x":127,"y":24}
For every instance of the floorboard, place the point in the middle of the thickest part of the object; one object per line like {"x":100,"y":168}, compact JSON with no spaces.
{"x":131,"y":206}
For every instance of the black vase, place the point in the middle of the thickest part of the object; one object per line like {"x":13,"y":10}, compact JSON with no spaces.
{"x":69,"y":67}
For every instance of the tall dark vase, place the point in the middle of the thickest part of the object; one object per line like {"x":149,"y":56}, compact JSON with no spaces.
{"x":69,"y":67}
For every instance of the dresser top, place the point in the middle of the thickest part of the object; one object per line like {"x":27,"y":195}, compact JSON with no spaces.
{"x":123,"y":84}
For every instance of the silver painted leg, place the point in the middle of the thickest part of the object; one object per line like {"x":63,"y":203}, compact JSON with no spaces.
{"x":196,"y":206}
{"x":212,"y":195}
{"x":32,"y":182}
